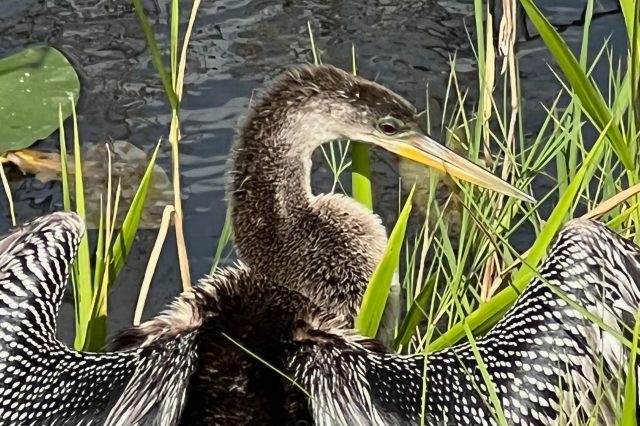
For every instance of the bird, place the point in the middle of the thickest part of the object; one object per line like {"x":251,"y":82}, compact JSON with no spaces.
{"x":323,"y":247}
{"x":251,"y":345}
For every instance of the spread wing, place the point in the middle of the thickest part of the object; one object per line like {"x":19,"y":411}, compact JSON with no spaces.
{"x":156,"y":393}
{"x":546,"y":358}
{"x":35,"y":261}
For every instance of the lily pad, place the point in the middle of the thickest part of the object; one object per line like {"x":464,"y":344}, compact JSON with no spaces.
{"x":33,"y":83}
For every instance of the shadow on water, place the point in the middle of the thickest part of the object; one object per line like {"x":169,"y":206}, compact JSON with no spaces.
{"x":237,"y":45}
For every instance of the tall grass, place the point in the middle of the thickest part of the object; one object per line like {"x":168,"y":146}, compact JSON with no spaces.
{"x":91,"y":283}
{"x":459,"y":289}
{"x":602,"y":176}
{"x":173,"y":83}
{"x":92,"y":280}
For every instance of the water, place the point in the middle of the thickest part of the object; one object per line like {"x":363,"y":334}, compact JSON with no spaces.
{"x":237,"y":46}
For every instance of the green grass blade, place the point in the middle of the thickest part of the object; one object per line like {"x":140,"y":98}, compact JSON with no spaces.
{"x":630,"y":392}
{"x":175,"y":39}
{"x":97,"y":326}
{"x":66,"y":203}
{"x":64,"y":168}
{"x":269,"y":365}
{"x":223,"y":242}
{"x":375,"y":296}
{"x":565,"y":204}
{"x":82,"y":283}
{"x":100,"y":252}
{"x":484,"y":372}
{"x":630,"y":11}
{"x":589,"y":94}
{"x":360,"y":169}
{"x":124,"y":239}
{"x":489,"y":313}
{"x":481,"y":60}
{"x":155,"y":54}
{"x":360,"y":174}
{"x":415,"y":315}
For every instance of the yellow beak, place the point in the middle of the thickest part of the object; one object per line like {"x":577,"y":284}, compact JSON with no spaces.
{"x":424,"y":150}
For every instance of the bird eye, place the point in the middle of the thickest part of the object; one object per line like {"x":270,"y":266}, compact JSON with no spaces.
{"x":389,"y":126}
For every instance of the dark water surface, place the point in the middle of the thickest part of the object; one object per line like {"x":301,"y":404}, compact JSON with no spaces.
{"x":237,"y":45}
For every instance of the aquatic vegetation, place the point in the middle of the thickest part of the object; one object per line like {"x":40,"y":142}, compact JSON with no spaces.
{"x":459,"y":289}
{"x":617,"y":122}
{"x":91,"y":283}
{"x":375,"y":297}
{"x":128,"y":166}
{"x":40,"y":89}
{"x":33,"y":82}
{"x":173,"y":86}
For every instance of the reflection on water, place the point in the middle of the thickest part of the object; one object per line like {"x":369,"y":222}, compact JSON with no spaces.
{"x":238,"y":45}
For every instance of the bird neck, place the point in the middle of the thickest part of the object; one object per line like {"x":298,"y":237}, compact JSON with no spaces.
{"x":270,"y":178}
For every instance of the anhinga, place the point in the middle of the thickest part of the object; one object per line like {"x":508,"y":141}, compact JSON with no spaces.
{"x":270,"y":341}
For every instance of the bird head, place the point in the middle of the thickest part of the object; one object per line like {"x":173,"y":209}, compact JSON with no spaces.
{"x":334,"y":104}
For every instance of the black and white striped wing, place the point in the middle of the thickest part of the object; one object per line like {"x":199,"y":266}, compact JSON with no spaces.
{"x":547,"y":359}
{"x":351,"y":383}
{"x":156,"y":393}
{"x":43,"y":381}
{"x":35,"y":261}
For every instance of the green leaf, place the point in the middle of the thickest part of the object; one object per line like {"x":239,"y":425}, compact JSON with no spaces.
{"x":489,"y":313}
{"x":360,"y":169}
{"x":82,"y":266}
{"x":33,"y":83}
{"x":96,"y":333}
{"x":415,"y":315}
{"x":360,"y":174}
{"x":223,"y":242}
{"x":589,"y":94}
{"x":131,"y":222}
{"x":375,"y":296}
{"x":486,"y":377}
{"x":630,"y":395}
{"x":98,"y":271}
